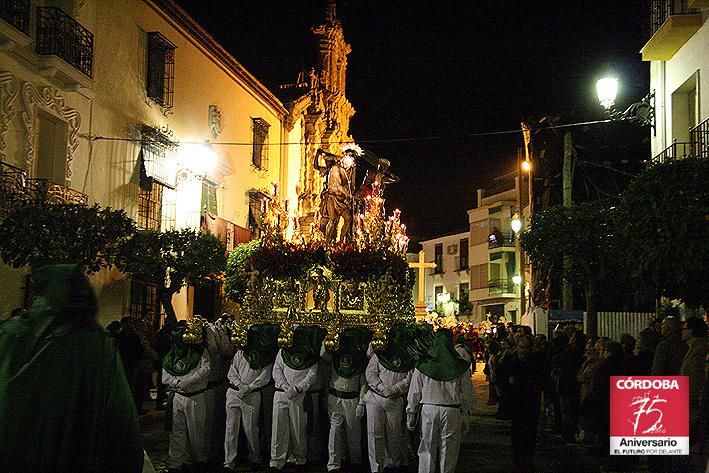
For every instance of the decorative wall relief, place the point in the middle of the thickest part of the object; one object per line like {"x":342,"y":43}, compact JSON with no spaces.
{"x":49,"y":100}
{"x":9,"y":88}
{"x":215,"y":121}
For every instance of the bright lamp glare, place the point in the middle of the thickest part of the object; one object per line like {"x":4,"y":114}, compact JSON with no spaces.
{"x":526,"y":166}
{"x":516,"y":224}
{"x":197,"y":158}
{"x":607,"y":89}
{"x":517,"y":279}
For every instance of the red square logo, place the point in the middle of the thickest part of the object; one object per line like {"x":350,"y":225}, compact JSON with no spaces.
{"x":649,"y":415}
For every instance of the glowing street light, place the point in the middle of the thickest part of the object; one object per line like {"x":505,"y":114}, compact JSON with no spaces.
{"x":526,"y":166}
{"x":198,"y":159}
{"x":607,"y":90}
{"x":516,"y":224}
{"x":517,"y":279}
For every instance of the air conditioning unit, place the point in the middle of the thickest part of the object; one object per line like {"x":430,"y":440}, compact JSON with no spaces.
{"x":452,"y":249}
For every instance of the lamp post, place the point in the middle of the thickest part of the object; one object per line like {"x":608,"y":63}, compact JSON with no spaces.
{"x":641,"y":113}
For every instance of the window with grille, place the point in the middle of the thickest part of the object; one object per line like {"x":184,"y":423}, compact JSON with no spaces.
{"x":144,"y":302}
{"x":160,"y":70}
{"x":150,"y":204}
{"x":259,"y":152}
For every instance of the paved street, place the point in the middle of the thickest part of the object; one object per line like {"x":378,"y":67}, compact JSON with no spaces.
{"x":485,"y":448}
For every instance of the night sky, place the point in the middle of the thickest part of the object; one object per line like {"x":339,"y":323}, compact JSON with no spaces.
{"x":446,"y":70}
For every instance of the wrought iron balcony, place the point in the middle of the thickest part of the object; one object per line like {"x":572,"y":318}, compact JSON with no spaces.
{"x":500,"y":286}
{"x":677,"y":150}
{"x":61,"y":35}
{"x":672,"y":23}
{"x":500,"y":240}
{"x":16,"y":13}
{"x":699,"y":136}
{"x":16,"y":189}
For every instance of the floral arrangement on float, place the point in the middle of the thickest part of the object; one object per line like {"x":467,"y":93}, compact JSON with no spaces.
{"x":293,"y":278}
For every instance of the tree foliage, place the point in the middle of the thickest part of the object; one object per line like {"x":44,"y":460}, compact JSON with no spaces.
{"x":92,"y":236}
{"x":665,"y":213}
{"x":237,"y":267}
{"x":586,"y":233}
{"x":175,"y":258}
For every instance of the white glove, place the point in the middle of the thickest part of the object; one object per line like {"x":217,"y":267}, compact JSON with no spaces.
{"x":387,"y":391}
{"x":411,"y":422}
{"x":359,"y":411}
{"x":291,"y":392}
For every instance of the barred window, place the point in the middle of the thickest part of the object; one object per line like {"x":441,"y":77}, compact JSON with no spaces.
{"x":144,"y":302}
{"x":150,"y":204}
{"x":161,"y":69}
{"x":259,"y":153}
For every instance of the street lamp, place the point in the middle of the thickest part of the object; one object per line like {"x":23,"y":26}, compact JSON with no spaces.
{"x":516,"y":223}
{"x":607,"y":90}
{"x":641,"y":113}
{"x":194,"y":162}
{"x":517,"y":279}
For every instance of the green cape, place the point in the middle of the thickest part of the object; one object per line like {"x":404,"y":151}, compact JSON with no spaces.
{"x":444,"y":363}
{"x":261,"y":346}
{"x":182,"y":358}
{"x":305,"y":351}
{"x":351,"y":358}
{"x":398,"y":355}
{"x":65,"y":404}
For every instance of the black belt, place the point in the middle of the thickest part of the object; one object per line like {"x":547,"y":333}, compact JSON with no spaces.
{"x":236,"y":388}
{"x":453,"y":406}
{"x":343,"y":394}
{"x":280,"y":390}
{"x":192,"y":394}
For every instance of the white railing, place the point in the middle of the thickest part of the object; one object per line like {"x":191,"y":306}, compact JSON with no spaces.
{"x":613,"y":324}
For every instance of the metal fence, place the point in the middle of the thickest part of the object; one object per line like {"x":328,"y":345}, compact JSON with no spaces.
{"x":613,"y":324}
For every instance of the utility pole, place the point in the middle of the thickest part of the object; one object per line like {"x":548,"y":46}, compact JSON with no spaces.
{"x":567,"y":295}
{"x":519,"y":253}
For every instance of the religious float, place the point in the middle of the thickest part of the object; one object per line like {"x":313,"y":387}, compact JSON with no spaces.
{"x":346,"y":270}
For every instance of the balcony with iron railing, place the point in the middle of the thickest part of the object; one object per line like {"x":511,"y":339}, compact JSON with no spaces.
{"x":500,"y":286}
{"x":699,"y":137}
{"x":697,"y":147}
{"x":17,"y":14}
{"x":16,"y":190}
{"x":501,"y":240}
{"x":60,"y":35}
{"x":672,"y":23}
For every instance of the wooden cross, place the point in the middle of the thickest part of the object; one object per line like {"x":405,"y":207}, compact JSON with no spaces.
{"x":421,"y":266}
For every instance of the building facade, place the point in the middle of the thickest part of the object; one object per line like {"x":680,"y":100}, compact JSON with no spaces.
{"x":448,"y":284}
{"x":495,"y":256}
{"x":131,"y":104}
{"x":678,"y":52}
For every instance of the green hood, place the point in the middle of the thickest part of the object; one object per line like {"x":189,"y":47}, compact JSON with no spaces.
{"x":63,"y":391}
{"x":182,"y":358}
{"x":351,"y":358}
{"x":398,"y":355}
{"x":261,"y":346}
{"x":305,"y":351}
{"x":444,"y":363}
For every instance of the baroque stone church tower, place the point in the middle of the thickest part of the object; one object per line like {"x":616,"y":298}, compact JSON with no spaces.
{"x":319,"y":104}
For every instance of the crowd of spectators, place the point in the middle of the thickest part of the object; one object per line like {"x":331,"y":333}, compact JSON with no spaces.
{"x":564,"y":382}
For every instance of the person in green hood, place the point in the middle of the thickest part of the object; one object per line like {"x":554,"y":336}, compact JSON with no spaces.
{"x":441,"y":389}
{"x":345,"y":402}
{"x":65,"y":404}
{"x":294,"y":372}
{"x":186,"y":370}
{"x":388,"y":374}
